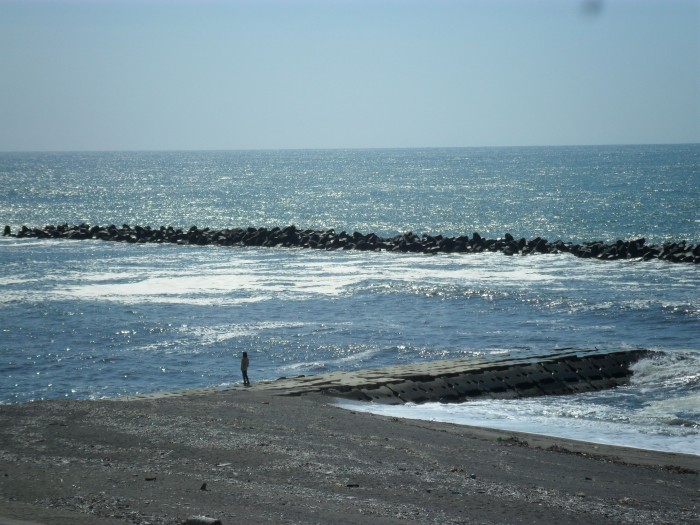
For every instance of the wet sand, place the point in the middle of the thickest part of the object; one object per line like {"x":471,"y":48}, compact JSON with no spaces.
{"x":253,"y":456}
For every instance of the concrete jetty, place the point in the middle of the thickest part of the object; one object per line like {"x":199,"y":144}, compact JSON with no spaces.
{"x":457,"y":380}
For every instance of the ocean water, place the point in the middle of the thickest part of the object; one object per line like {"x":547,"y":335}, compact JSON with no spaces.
{"x":93,"y":319}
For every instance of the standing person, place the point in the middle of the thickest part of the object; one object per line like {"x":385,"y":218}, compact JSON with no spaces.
{"x":244,"y":369}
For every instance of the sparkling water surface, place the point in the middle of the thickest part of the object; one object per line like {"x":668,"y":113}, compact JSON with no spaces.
{"x":90,"y":319}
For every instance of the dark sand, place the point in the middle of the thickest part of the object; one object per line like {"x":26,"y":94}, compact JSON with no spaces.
{"x":250,"y":456}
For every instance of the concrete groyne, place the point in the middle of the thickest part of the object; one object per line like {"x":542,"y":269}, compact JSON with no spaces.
{"x":459,"y":380}
{"x":570,"y":371}
{"x":290,"y":236}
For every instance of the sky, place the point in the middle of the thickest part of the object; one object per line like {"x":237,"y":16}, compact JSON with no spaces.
{"x":285,"y":74}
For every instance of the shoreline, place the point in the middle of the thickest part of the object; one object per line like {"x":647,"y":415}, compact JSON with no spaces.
{"x":255,"y":455}
{"x":425,"y":382}
{"x":572,"y":371}
{"x":537,"y":436}
{"x":283,"y":386}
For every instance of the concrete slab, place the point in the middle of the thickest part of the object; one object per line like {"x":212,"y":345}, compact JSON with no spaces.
{"x":382,"y":395}
{"x":440,"y":390}
{"x":412,"y":392}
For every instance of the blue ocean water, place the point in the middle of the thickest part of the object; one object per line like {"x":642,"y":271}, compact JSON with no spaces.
{"x":91,"y":319}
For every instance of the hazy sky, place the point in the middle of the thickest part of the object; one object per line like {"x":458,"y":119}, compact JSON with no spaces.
{"x":155,"y":75}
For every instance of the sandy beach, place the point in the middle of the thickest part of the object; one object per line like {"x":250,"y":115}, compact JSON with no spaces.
{"x":254,"y":456}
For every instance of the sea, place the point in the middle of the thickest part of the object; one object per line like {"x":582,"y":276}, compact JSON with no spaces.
{"x":91,"y":319}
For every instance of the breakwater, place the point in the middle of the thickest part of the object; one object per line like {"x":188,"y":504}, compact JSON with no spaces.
{"x":459,"y":380}
{"x":456,"y":380}
{"x":291,"y":236}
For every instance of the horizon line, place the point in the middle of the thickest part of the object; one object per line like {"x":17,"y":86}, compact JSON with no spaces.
{"x":340,"y":148}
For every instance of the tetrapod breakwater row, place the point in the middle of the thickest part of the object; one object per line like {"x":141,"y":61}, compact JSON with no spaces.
{"x":291,"y":236}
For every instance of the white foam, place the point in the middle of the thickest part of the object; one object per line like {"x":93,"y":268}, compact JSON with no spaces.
{"x":208,"y":285}
{"x":224,"y":277}
{"x":207,"y":335}
{"x":660,"y":409}
{"x":301,"y":367}
{"x":27,"y":242}
{"x":356,"y":356}
{"x":668,"y":370}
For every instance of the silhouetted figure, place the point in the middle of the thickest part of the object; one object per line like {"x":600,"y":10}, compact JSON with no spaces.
{"x":244,"y":368}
